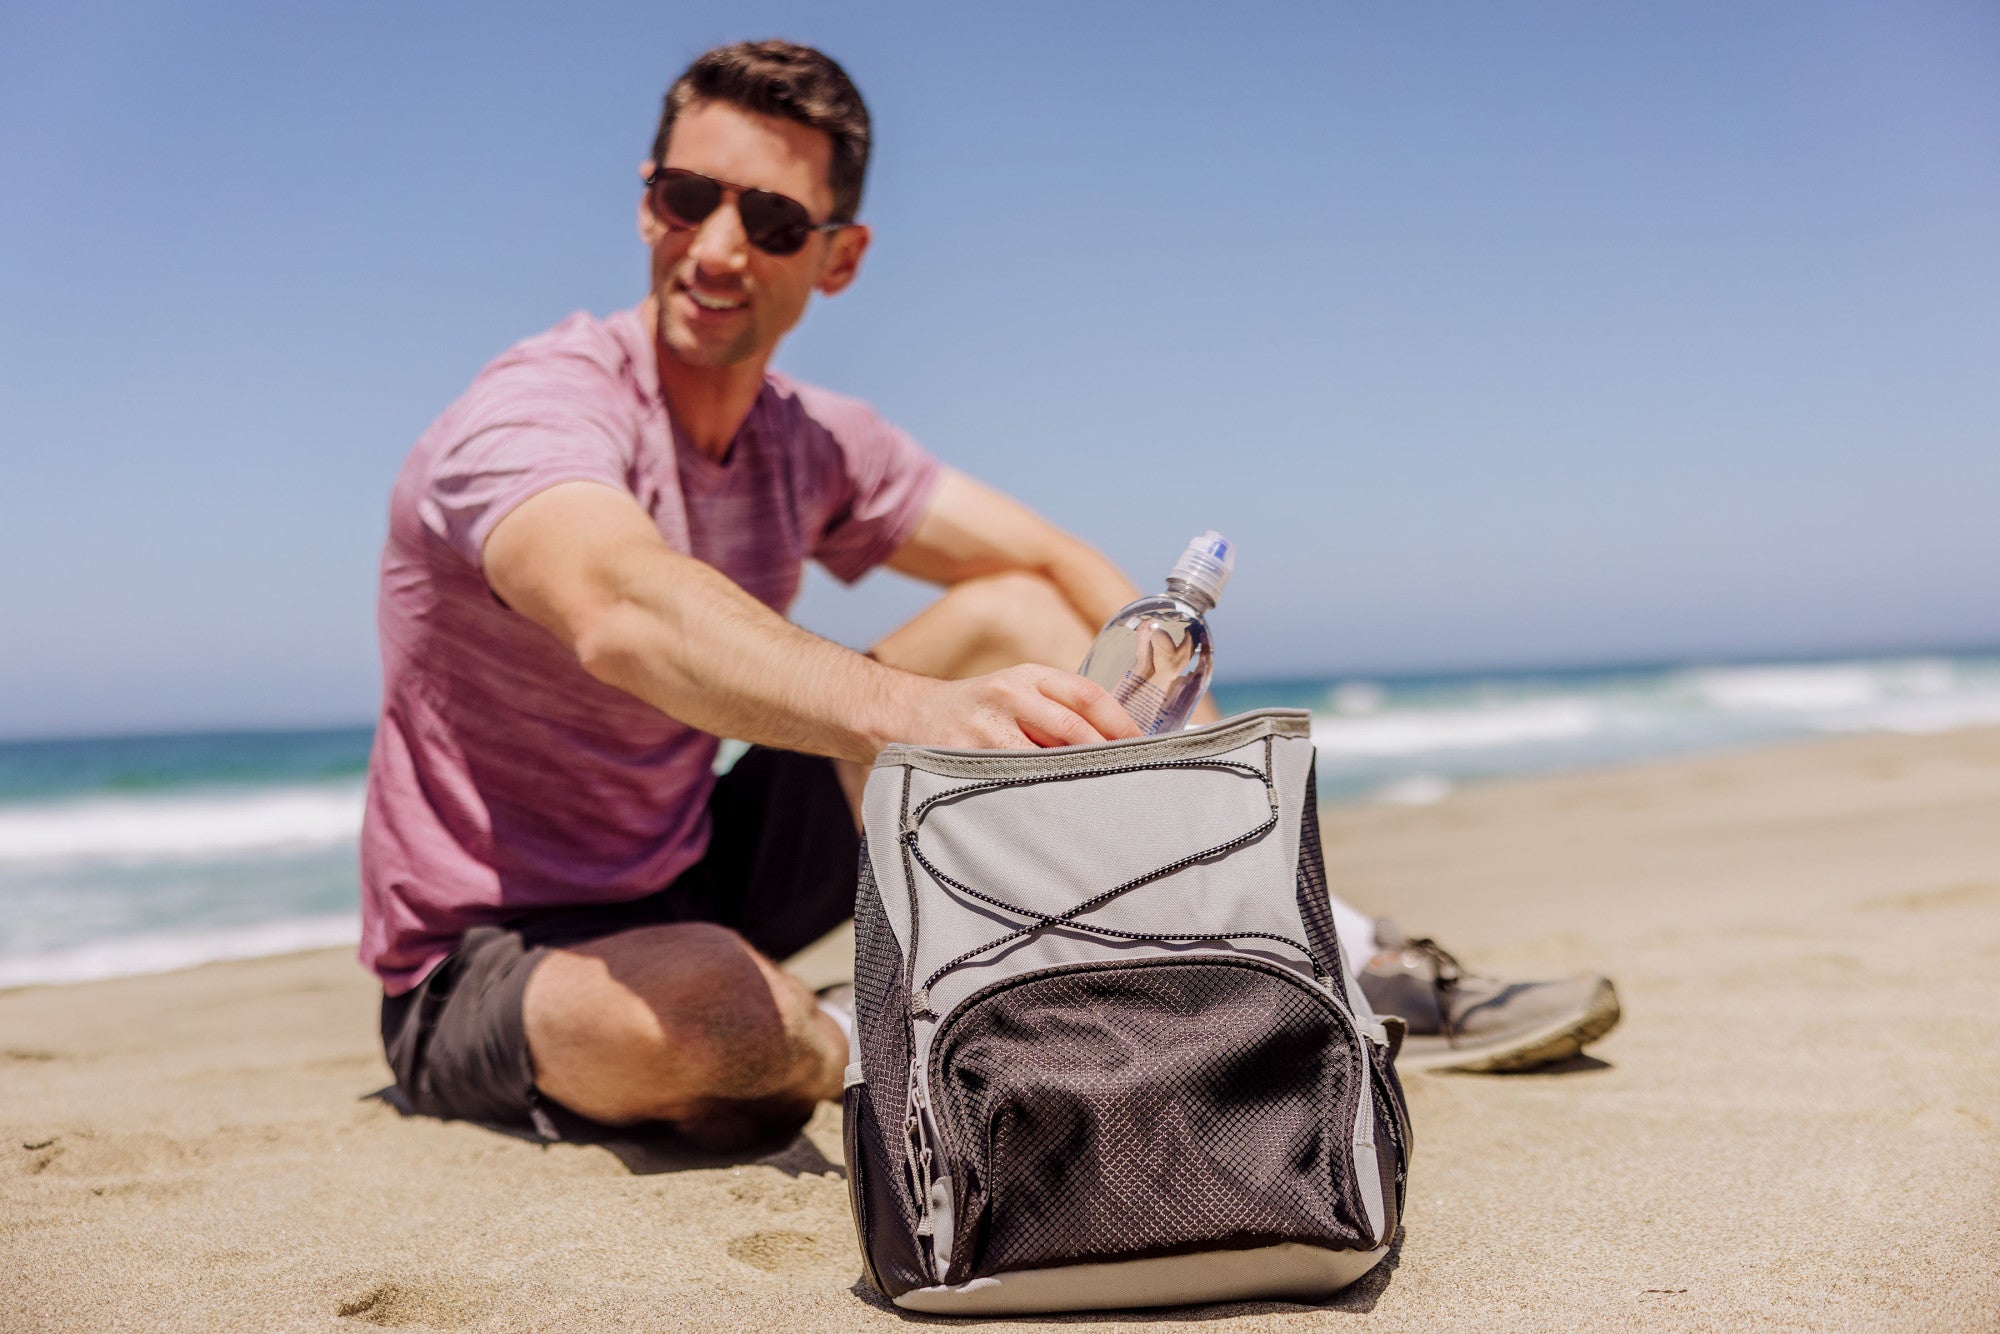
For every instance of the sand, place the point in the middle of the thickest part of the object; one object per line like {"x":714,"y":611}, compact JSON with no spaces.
{"x":1797,"y":1126}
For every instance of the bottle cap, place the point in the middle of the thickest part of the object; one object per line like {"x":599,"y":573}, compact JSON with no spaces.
{"x":1206,"y":564}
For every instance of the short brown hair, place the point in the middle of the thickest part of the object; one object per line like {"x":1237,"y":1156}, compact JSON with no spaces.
{"x":779,"y":78}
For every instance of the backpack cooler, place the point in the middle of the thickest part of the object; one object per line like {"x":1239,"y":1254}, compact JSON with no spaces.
{"x":1109,"y":1052}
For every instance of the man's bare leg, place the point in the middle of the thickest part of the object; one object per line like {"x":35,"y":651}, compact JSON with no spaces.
{"x":684,"y":1023}
{"x":688,"y":1023}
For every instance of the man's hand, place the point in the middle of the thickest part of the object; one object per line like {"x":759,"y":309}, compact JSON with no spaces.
{"x":1017,"y":709}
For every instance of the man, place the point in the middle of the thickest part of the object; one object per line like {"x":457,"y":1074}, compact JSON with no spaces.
{"x":589,"y":558}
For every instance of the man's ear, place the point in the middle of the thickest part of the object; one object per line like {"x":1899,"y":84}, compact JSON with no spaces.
{"x":843,"y":261}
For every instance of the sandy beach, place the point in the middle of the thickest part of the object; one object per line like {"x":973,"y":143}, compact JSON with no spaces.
{"x":1797,"y":1125}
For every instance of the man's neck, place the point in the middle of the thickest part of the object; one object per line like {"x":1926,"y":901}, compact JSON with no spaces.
{"x":708,"y":404}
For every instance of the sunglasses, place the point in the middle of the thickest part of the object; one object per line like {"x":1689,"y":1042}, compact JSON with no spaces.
{"x":776,"y":224}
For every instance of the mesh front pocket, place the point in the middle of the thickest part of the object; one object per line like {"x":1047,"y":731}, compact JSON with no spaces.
{"x":1162,"y":1106}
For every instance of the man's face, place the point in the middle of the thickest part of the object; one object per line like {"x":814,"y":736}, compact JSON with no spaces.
{"x":721,"y":300}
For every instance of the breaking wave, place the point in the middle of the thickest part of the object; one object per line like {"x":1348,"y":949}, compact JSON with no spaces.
{"x":179,"y":827}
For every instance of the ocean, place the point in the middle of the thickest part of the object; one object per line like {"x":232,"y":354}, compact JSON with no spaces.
{"x":138,"y":854}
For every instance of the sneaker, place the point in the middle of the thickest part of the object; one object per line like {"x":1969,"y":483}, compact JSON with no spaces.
{"x":1460,"y":1021}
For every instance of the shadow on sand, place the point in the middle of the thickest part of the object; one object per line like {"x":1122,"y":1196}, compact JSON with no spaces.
{"x":647,"y":1150}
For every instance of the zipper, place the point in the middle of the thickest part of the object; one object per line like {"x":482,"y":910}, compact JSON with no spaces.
{"x":923,"y":1164}
{"x":910,"y":888}
{"x":1364,"y":1113}
{"x":921,"y":1157}
{"x":918,"y":1143}
{"x":1364,"y":1142}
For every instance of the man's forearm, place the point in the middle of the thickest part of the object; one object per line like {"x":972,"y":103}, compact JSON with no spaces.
{"x":686,"y":639}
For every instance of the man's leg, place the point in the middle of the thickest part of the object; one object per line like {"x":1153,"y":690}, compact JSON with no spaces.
{"x":683,"y":1023}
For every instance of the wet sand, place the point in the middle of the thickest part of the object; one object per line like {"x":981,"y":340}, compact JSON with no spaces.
{"x":1797,"y":1125}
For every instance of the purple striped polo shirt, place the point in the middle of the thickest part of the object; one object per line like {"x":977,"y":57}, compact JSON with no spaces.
{"x":504,"y":778}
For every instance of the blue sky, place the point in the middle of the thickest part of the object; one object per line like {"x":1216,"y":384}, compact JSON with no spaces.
{"x":1527,"y":334}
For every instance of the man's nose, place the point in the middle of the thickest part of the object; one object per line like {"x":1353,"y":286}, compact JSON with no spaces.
{"x":719,"y":245}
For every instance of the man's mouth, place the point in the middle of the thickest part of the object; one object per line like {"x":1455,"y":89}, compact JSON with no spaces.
{"x":710,"y":301}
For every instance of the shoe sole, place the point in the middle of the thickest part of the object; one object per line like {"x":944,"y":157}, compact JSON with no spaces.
{"x":1555,"y":1041}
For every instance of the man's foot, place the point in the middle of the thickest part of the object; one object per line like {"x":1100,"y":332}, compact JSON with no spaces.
{"x":1461,"y":1021}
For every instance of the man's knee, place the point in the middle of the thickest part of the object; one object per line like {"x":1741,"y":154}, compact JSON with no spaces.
{"x":650,"y":1022}
{"x":736,"y":1023}
{"x":988,"y":623}
{"x":1015,"y":595}
{"x":1019,"y":617}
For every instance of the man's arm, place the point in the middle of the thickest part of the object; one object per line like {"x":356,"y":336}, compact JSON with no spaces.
{"x":971,"y":530}
{"x":584,"y":562}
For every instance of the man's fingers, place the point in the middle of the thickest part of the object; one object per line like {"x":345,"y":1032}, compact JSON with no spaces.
{"x":1037,"y":706}
{"x":1091,"y":705}
{"x":1013,"y":734}
{"x":1046,"y":723}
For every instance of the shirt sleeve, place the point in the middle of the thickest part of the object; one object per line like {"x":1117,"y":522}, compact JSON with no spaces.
{"x":521,"y":429}
{"x":882,"y":484}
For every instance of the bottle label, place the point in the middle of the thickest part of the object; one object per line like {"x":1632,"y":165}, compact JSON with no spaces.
{"x":1141,"y":699}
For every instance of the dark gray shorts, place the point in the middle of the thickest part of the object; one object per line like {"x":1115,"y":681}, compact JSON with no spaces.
{"x":779,"y":870}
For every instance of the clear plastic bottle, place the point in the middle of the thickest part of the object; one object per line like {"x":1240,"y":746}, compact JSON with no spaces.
{"x":1154,"y":655}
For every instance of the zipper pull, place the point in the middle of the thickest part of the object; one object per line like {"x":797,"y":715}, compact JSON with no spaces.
{"x":919,"y":1142}
{"x":921,"y":1162}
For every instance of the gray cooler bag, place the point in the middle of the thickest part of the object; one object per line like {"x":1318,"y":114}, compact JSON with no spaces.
{"x":1109,"y":1053}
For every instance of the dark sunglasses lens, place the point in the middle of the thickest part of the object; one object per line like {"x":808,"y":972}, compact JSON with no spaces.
{"x":775,"y":224}
{"x":683,"y":197}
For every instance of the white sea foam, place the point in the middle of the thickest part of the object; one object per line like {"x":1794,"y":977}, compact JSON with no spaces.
{"x":1419,"y":731}
{"x":1352,"y":697}
{"x":1812,"y":689}
{"x":1821,"y":688}
{"x":167,"y":950}
{"x":1898,"y":695}
{"x":137,"y":829}
{"x":1629,"y":718}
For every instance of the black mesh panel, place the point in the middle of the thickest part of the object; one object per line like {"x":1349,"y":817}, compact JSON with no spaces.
{"x":881,"y":1000}
{"x":1391,"y":1086}
{"x":1313,"y":907}
{"x":1392,"y":1121}
{"x":1149,"y":1108}
{"x":877,"y":1165}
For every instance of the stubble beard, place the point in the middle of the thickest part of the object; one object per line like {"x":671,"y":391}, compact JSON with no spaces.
{"x":711,"y":356}
{"x":689,"y":348}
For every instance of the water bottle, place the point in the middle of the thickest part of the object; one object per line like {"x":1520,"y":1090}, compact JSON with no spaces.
{"x":1154,"y":655}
